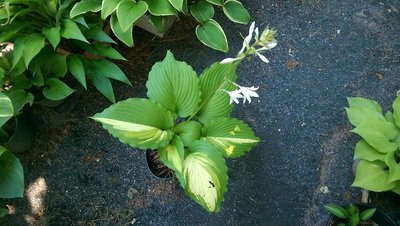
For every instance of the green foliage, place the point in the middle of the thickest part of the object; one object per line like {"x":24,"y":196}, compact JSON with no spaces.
{"x":350,"y":216}
{"x":187,"y":120}
{"x":11,"y":175}
{"x":378,"y":151}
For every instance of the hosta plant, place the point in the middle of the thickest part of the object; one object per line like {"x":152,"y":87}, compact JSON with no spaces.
{"x":187,"y":118}
{"x":378,"y":151}
{"x":123,"y":14}
{"x":48,"y":45}
{"x":351,"y":215}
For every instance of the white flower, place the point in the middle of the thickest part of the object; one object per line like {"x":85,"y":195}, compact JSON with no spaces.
{"x":234,"y":95}
{"x":246,"y":41}
{"x":230,"y":60}
{"x":248,"y":92}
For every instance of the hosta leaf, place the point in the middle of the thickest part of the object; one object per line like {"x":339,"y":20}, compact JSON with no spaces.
{"x":56,"y":89}
{"x":396,"y":188}
{"x":53,"y":35}
{"x":140,"y":123}
{"x":11,"y":175}
{"x":19,"y":98}
{"x":177,"y":4}
{"x":216,"y":2}
{"x":214,"y":101}
{"x":103,"y":85}
{"x":188,"y":131}
{"x":173,"y":154}
{"x":107,"y":69}
{"x":396,"y":111}
{"x":18,"y":52}
{"x":378,"y":134}
{"x":76,"y":68}
{"x":158,"y":22}
{"x":175,"y":85}
{"x":32,"y":46}
{"x":359,"y":102}
{"x":212,"y":35}
{"x":366,"y":152}
{"x":107,"y":51}
{"x":236,"y":12}
{"x":128,"y":12}
{"x":108,"y":7}
{"x":70,"y":30}
{"x":373,"y":176}
{"x":202,"y":11}
{"x":56,"y":66}
{"x":81,"y":20}
{"x":161,"y":8}
{"x":394,"y":166}
{"x":125,"y":37}
{"x":359,"y":115}
{"x":6,"y":109}
{"x":205,"y":173}
{"x":232,"y":136}
{"x":98,"y":34}
{"x":85,"y":6}
{"x":336,"y":210}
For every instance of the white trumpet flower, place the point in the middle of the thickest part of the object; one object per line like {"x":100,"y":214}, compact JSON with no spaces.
{"x":234,"y":95}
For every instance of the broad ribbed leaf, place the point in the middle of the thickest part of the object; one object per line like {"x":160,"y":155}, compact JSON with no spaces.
{"x":107,"y":69}
{"x":173,"y":154}
{"x":214,"y":101}
{"x":103,"y":85}
{"x":85,"y":6}
{"x":56,"y":89}
{"x":128,"y":12}
{"x":19,"y":98}
{"x":175,"y":85}
{"x":373,"y":176}
{"x":212,"y":35}
{"x":76,"y":68}
{"x":202,"y":11}
{"x":161,"y":8}
{"x":205,"y":173}
{"x":125,"y":37}
{"x":11,"y":175}
{"x":359,"y":115}
{"x":70,"y":30}
{"x":32,"y":46}
{"x":53,"y":35}
{"x":6,"y":109}
{"x":378,"y":134}
{"x":108,"y":7}
{"x":188,"y":131}
{"x":396,"y":111}
{"x":394,"y":166}
{"x":216,"y":2}
{"x":177,"y":4}
{"x":236,"y":12}
{"x":140,"y":123}
{"x":366,"y":152}
{"x":232,"y":136}
{"x":359,"y":102}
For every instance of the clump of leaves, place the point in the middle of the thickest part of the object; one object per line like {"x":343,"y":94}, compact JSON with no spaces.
{"x":351,"y":215}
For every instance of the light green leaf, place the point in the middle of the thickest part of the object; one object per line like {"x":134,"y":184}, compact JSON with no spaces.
{"x":19,"y":98}
{"x":394,"y":166}
{"x":177,"y":4}
{"x":173,"y":154}
{"x":354,"y":220}
{"x":103,"y":85}
{"x":212,"y":35}
{"x":70,"y":30}
{"x":396,"y":188}
{"x":125,"y":37}
{"x":53,"y":35}
{"x":236,"y":12}
{"x":216,"y":2}
{"x":56,"y":89}
{"x":336,"y":210}
{"x":366,"y":152}
{"x":367,"y":214}
{"x":396,"y":111}
{"x":85,"y":6}
{"x":175,"y":85}
{"x":6,"y":109}
{"x":373,"y":176}
{"x":378,"y":134}
{"x":97,"y":33}
{"x":107,"y":69}
{"x":214,"y":101}
{"x":107,"y":51}
{"x":359,"y":115}
{"x":108,"y":7}
{"x":32,"y":46}
{"x":128,"y":12}
{"x":11,"y":175}
{"x":76,"y":68}
{"x":202,"y":11}
{"x":161,"y":8}
{"x":205,"y":173}
{"x":188,"y":131}
{"x":352,"y":209}
{"x":359,"y":102}
{"x":140,"y":123}
{"x":232,"y":136}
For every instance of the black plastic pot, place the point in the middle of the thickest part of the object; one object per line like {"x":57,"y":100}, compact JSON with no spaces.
{"x":156,"y":166}
{"x":380,"y":217}
{"x":23,"y":134}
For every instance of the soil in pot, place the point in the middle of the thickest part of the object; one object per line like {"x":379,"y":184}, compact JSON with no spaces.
{"x":156,"y":166}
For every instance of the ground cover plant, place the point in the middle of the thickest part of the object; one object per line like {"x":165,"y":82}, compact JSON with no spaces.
{"x":351,"y":215}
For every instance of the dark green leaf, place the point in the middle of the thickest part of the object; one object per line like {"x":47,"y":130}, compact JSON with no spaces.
{"x":212,"y":35}
{"x":336,"y":211}
{"x":98,"y":34}
{"x":161,"y":8}
{"x":56,"y":89}
{"x":367,"y":214}
{"x":128,"y":12}
{"x":108,"y":7}
{"x":19,"y":98}
{"x":107,"y":69}
{"x":11,"y":175}
{"x":177,"y":4}
{"x":85,"y":6}
{"x":216,"y":2}
{"x":53,"y":35}
{"x":70,"y":30}
{"x":6,"y":109}
{"x":202,"y":11}
{"x":103,"y":49}
{"x":236,"y":12}
{"x":76,"y":68}
{"x":32,"y":46}
{"x":103,"y":84}
{"x":354,"y":220}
